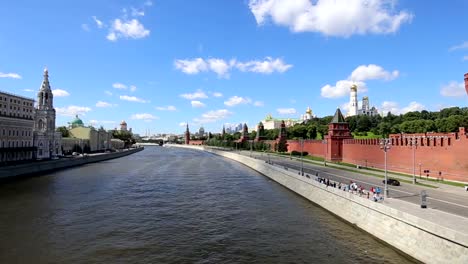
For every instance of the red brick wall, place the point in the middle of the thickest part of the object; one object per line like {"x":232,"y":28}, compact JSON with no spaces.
{"x":196,"y":142}
{"x":313,"y":147}
{"x":439,"y":155}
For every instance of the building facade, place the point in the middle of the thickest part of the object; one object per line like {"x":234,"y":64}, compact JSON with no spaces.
{"x":46,"y":139}
{"x":16,"y":128}
{"x":466,"y":83}
{"x":87,"y":139}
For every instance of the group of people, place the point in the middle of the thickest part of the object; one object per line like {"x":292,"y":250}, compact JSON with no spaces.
{"x":353,"y":187}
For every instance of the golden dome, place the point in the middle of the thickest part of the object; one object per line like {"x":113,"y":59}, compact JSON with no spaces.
{"x":354,"y":87}
{"x":123,"y":122}
{"x":309,"y":111}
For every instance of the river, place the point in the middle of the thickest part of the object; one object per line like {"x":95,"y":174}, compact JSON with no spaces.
{"x":171,"y":205}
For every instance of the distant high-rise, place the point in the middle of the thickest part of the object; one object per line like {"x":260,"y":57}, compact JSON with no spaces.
{"x":466,"y":82}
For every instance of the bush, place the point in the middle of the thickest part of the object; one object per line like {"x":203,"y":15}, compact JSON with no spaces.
{"x":298,"y":153}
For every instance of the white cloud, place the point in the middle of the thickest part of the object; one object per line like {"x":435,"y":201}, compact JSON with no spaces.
{"x":465,"y":58}
{"x":358,"y":76}
{"x":213,"y":116}
{"x":119,"y":86}
{"x":136,"y":12}
{"x":236,"y":100}
{"x":464,"y":45}
{"x":372,"y":72}
{"x":60,"y":93}
{"x":197,"y":104}
{"x":182,"y":124}
{"x":222,"y":67}
{"x":453,"y":89}
{"x":132,"y":88}
{"x":72,"y":110}
{"x":341,"y":88}
{"x":217,"y":94}
{"x":132,"y":99}
{"x":108,"y":93}
{"x":10,"y":75}
{"x":127,"y":29}
{"x":413,"y":106}
{"x":28,"y":90}
{"x":191,"y":66}
{"x":104,"y":104}
{"x":99,"y":23}
{"x":144,"y":116}
{"x":266,"y":66}
{"x":199,"y":94}
{"x":95,"y":123}
{"x":166,"y":108}
{"x":341,"y":18}
{"x":148,"y":3}
{"x":395,"y":109}
{"x":286,"y":111}
{"x":258,"y":103}
{"x":85,"y":27}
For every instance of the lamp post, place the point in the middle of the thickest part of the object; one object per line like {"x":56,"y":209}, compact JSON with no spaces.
{"x":414,"y":143}
{"x":302,"y":161}
{"x":385,"y":145}
{"x":419,"y":170}
{"x":251,"y":142}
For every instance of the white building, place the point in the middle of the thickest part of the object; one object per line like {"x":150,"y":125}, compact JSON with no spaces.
{"x":354,"y":104}
{"x":46,"y":139}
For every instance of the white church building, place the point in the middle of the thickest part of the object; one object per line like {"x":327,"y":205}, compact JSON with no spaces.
{"x":46,"y":139}
{"x":354,"y":109}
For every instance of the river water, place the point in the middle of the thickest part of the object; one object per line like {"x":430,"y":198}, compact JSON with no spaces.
{"x":170,"y":205}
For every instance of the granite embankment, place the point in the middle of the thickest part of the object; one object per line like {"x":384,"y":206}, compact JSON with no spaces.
{"x":39,"y":167}
{"x":428,"y":235}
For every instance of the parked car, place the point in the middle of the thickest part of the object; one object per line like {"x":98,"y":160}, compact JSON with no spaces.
{"x":392,"y":182}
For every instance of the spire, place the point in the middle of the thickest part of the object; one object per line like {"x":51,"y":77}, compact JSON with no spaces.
{"x":45,"y":83}
{"x":338,"y":118}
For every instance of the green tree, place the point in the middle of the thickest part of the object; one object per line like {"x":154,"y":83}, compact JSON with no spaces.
{"x":63,"y":130}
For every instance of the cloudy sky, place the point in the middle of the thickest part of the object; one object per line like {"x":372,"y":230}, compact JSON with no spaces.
{"x":160,"y":64}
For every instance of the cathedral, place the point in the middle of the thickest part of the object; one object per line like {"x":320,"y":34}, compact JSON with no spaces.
{"x":46,"y":139}
{"x":354,"y":109}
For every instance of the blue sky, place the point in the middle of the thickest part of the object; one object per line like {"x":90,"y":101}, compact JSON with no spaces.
{"x":159,"y":64}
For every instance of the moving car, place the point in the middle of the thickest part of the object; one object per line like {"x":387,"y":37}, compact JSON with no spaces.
{"x":392,"y":182}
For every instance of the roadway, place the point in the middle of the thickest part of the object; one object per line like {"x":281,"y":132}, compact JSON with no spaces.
{"x":446,"y":198}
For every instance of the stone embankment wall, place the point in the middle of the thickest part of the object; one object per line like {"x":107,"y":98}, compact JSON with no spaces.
{"x":418,"y":237}
{"x":39,"y":167}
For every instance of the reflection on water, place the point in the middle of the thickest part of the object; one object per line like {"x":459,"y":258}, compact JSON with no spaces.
{"x":168,"y":205}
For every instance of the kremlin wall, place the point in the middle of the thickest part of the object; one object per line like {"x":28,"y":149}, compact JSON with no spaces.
{"x":436,"y":152}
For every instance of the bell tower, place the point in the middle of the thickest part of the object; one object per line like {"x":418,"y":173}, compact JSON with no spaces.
{"x":45,"y":112}
{"x":466,"y":83}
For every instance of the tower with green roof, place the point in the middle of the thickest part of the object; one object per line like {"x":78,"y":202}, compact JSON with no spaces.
{"x":338,"y":130}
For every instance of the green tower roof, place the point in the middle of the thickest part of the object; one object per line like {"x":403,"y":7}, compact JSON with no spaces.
{"x":338,"y":118}
{"x":76,"y":122}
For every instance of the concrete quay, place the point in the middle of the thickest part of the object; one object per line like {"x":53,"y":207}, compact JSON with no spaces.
{"x":429,"y":235}
{"x":39,"y":167}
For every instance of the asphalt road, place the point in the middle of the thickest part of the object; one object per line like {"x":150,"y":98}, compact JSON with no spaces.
{"x":444,"y":200}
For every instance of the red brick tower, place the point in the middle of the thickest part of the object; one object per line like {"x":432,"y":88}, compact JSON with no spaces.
{"x":260,"y":132}
{"x":466,"y":82}
{"x":338,"y":130}
{"x":245,"y":133}
{"x":281,"y":142}
{"x":187,"y":136}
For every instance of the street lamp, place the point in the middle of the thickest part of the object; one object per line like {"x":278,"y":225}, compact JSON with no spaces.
{"x":385,"y":145}
{"x":414,"y":144}
{"x":419,"y":170}
{"x":251,"y":142}
{"x":302,"y":161}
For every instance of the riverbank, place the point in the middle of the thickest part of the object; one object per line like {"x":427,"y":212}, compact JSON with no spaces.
{"x":429,"y":235}
{"x":38,"y":167}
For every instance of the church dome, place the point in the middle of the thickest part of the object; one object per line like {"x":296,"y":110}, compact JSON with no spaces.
{"x":309,"y":111}
{"x":123,"y":123}
{"x":354,"y":87}
{"x":77,"y":122}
